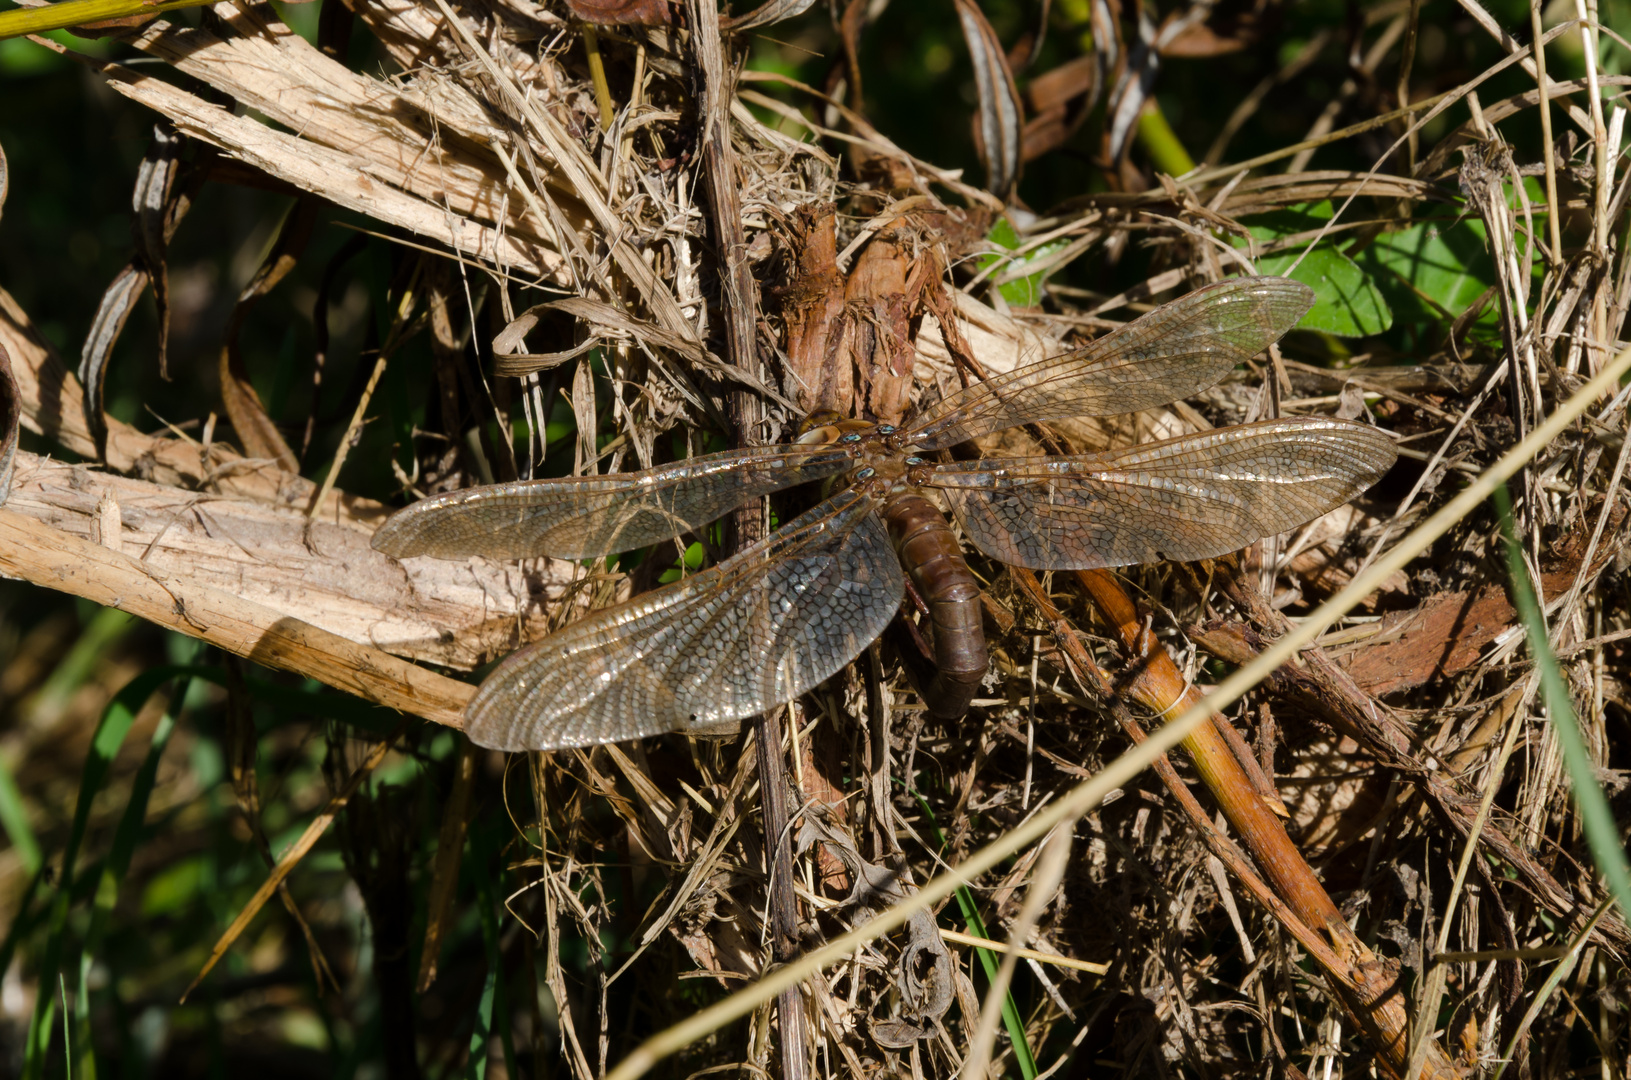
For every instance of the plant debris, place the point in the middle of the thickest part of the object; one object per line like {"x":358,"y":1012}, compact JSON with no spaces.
{"x":558,"y":204}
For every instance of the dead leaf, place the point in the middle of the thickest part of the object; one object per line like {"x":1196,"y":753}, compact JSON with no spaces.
{"x":1001,"y":118}
{"x":118,"y":301}
{"x":1219,"y":36}
{"x":1447,"y":633}
{"x":1048,"y":99}
{"x":11,"y":407}
{"x":925,"y":970}
{"x":1443,"y":637}
{"x":623,"y":12}
{"x":812,"y":301}
{"x":255,"y":428}
{"x":774,"y":11}
{"x":157,"y":206}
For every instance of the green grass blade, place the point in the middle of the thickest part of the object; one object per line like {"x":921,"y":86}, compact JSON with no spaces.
{"x":1011,"y":1020}
{"x":114,"y":867}
{"x":78,"y":12}
{"x":67,"y":1044}
{"x":110,"y":734}
{"x":91,"y":648}
{"x":1602,"y":835}
{"x":14,"y":819}
{"x":481,"y":1033}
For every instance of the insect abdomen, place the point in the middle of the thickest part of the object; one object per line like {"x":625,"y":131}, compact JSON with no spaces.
{"x":932,"y":556}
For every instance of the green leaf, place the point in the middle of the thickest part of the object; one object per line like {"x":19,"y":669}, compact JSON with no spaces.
{"x":1430,"y":268}
{"x":173,"y":888}
{"x":1025,"y":291}
{"x":1289,"y":221}
{"x":117,"y":863}
{"x":1346,"y":302}
{"x":691,"y":563}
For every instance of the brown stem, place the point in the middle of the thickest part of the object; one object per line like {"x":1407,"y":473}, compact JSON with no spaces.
{"x":1331,"y":694}
{"x":1368,"y":985}
{"x":1080,"y":661}
{"x":1159,"y":685}
{"x":738,"y":303}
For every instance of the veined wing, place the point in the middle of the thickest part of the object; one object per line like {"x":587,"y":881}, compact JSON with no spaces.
{"x":1193,"y":497}
{"x":587,"y":516}
{"x":759,"y":629}
{"x":1174,"y":351}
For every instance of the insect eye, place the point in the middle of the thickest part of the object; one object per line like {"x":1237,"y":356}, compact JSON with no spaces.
{"x":886,"y":429}
{"x":866,"y":474}
{"x":915,"y":460}
{"x":850,"y":438}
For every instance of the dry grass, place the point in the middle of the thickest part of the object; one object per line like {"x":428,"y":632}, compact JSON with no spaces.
{"x":486,"y":154}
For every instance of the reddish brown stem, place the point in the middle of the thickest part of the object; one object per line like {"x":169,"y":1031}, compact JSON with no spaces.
{"x":1160,"y":686}
{"x":1329,"y":693}
{"x":1369,"y":986}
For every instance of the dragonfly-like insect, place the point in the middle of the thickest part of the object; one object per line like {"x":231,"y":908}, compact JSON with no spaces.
{"x":779,"y":617}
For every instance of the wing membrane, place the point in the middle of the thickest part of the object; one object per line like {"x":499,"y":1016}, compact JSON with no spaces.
{"x":588,"y":516}
{"x":756,"y":630}
{"x":1193,"y":497}
{"x":1172,"y":352}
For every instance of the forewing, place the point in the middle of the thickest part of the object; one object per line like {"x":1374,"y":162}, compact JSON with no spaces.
{"x":589,"y":516}
{"x":1174,"y":351}
{"x":759,"y":629}
{"x":1193,"y":497}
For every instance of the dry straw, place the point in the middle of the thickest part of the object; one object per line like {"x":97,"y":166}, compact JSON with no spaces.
{"x":1088,"y":794}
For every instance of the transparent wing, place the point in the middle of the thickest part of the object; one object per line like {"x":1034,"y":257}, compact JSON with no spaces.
{"x":757,"y":630}
{"x":1174,"y":351}
{"x":1193,"y":497}
{"x":589,"y":516}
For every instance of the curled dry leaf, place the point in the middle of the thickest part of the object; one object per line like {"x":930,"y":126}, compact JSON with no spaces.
{"x":255,"y":427}
{"x":118,"y":301}
{"x":774,"y":11}
{"x":157,"y":206}
{"x":924,"y":973}
{"x":1133,"y":87}
{"x":525,"y":363}
{"x":605,"y":321}
{"x":11,"y":415}
{"x":1000,"y":120}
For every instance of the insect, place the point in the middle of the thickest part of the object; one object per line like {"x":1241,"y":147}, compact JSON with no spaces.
{"x":777,"y":618}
